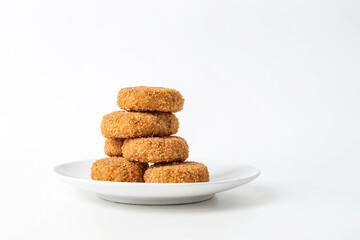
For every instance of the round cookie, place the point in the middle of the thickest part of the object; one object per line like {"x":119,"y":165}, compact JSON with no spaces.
{"x":177,"y":172}
{"x":112,"y":147}
{"x":121,"y":124}
{"x":156,"y":149}
{"x":118,"y":169}
{"x":150,"y":99}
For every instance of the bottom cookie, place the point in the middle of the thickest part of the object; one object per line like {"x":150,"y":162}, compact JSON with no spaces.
{"x":177,"y":172}
{"x":118,"y":169}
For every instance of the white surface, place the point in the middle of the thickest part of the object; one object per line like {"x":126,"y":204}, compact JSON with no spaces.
{"x":224,"y":176}
{"x":274,"y":84}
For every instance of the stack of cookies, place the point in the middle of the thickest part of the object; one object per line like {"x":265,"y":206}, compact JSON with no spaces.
{"x":141,"y":135}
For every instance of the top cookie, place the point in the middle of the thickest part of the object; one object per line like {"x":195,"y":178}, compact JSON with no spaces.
{"x":150,"y":99}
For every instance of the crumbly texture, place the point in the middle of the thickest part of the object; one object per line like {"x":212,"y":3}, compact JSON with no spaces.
{"x":118,"y":169}
{"x":177,"y":172}
{"x":156,"y":149}
{"x":121,"y":124}
{"x":150,"y":99}
{"x":112,"y":147}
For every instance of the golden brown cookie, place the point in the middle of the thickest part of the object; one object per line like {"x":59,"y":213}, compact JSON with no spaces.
{"x":177,"y":172}
{"x":112,"y":147}
{"x":121,"y":124}
{"x":156,"y":149}
{"x":118,"y":169}
{"x":150,"y":99}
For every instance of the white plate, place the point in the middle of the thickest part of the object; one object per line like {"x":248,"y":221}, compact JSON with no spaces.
{"x":223,"y":176}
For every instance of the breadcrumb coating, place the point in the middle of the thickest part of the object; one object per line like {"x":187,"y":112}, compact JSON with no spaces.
{"x":177,"y":172}
{"x":118,"y":169}
{"x":150,"y":99}
{"x":121,"y":124}
{"x":156,"y":149}
{"x":112,"y":147}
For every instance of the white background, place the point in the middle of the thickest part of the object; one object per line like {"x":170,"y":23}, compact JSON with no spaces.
{"x":275,"y":84}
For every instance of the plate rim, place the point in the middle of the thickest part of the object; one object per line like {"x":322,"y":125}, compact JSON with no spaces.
{"x":60,"y":174}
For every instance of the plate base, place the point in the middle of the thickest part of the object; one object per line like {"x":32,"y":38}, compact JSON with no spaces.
{"x":155,"y":201}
